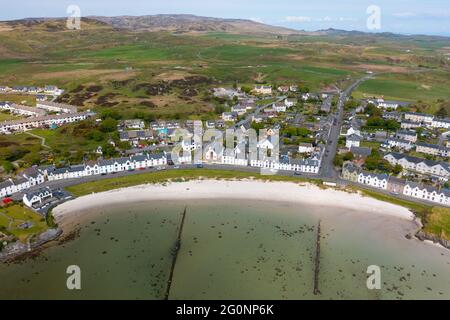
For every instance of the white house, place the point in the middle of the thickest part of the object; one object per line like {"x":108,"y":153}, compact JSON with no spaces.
{"x":441,"y":170}
{"x":31,"y":198}
{"x":417,"y":191}
{"x":407,"y":135}
{"x":7,"y":188}
{"x":441,"y":123}
{"x":229,"y":116}
{"x":379,"y":181}
{"x":53,"y":90}
{"x":305,"y":148}
{"x":239,"y":109}
{"x":71,"y":172}
{"x":279,"y":107}
{"x":34,"y":176}
{"x":39,"y":122}
{"x":432,"y":149}
{"x":213,"y":152}
{"x":397,"y":143}
{"x":267,"y":143}
{"x":353,"y":140}
{"x":236,"y":156}
{"x":266,"y":90}
{"x":57,"y":107}
{"x":289,"y":103}
{"x":419,"y":117}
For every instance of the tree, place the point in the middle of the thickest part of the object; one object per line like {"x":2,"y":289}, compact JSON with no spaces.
{"x":109,"y":150}
{"x":441,"y":113}
{"x":348,"y":156}
{"x":108,"y":125}
{"x":338,"y":160}
{"x":8,"y":166}
{"x":108,"y":113}
{"x":219,"y":109}
{"x":246,"y":89}
{"x":397,"y":169}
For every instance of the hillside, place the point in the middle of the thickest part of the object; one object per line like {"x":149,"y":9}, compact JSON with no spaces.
{"x":190,"y":23}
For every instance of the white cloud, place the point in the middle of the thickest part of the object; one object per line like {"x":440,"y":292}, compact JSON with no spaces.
{"x":257,"y":20}
{"x":425,"y":15}
{"x":324,"y":19}
{"x":298,"y":19}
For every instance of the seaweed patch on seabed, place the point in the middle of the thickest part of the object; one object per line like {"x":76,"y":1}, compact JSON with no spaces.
{"x":37,"y":252}
{"x":70,"y":236}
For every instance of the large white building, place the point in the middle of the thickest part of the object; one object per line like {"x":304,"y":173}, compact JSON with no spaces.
{"x":40,"y":122}
{"x":57,"y":107}
{"x":379,"y":181}
{"x":436,"y":169}
{"x":428,"y":193}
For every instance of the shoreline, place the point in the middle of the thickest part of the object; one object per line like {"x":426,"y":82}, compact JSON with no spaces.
{"x":305,"y":193}
{"x":69,"y":215}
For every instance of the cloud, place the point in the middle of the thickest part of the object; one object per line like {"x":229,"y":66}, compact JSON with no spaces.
{"x":324,"y":19}
{"x":298,"y":19}
{"x":257,"y":20}
{"x":422,"y":15}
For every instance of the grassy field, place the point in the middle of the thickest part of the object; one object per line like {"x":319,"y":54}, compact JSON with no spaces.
{"x":6,"y":116}
{"x":135,"y":73}
{"x":13,"y":216}
{"x":438,"y":222}
{"x":427,"y":86}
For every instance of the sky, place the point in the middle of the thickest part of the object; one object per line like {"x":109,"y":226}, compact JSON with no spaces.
{"x":398,"y":16}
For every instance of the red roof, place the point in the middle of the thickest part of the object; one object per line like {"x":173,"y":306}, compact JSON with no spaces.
{"x":7,"y":200}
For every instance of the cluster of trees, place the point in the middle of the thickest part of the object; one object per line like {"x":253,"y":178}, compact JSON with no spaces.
{"x":296,"y":132}
{"x":375,"y":162}
{"x":375,"y":120}
{"x":339,"y":159}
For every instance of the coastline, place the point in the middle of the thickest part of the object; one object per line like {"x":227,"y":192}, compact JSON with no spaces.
{"x":305,"y":193}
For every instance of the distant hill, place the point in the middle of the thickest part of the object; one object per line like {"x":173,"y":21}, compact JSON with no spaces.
{"x":182,"y":23}
{"x":185,"y":23}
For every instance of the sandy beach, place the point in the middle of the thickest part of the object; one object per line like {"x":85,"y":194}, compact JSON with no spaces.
{"x":239,"y":190}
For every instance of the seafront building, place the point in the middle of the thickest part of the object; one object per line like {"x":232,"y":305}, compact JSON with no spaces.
{"x":354,"y":173}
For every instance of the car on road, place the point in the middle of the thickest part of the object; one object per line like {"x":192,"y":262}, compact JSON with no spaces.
{"x":199,"y":166}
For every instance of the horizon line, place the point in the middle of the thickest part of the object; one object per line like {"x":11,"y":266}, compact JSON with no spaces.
{"x":243,"y":19}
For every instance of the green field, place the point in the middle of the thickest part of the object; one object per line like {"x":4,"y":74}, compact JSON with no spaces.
{"x":428,"y":86}
{"x":14,"y":215}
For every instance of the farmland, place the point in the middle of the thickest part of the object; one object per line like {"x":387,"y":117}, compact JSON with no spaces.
{"x":168,"y":75}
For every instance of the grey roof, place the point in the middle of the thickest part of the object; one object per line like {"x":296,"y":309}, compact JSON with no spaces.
{"x":32,"y":172}
{"x":38,"y":192}
{"x":5,"y":184}
{"x":354,"y":137}
{"x":416,"y":160}
{"x":380,"y":176}
{"x":20,"y":180}
{"x":419,"y":114}
{"x":362,"y":151}
{"x":139,"y":158}
{"x":406,"y":133}
{"x":397,"y":181}
{"x":156,"y":156}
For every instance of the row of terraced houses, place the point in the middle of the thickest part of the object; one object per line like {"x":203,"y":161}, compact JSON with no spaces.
{"x":394,"y":185}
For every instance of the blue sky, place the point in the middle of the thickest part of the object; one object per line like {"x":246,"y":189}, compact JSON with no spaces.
{"x":399,"y":16}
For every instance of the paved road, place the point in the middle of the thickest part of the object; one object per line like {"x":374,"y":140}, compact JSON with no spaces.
{"x":248,"y":118}
{"x":327,"y":166}
{"x":60,"y":184}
